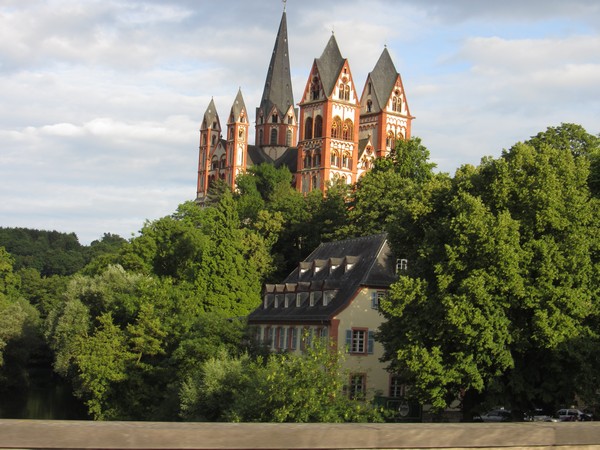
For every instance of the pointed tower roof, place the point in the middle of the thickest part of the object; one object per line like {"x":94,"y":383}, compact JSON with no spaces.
{"x":278,"y":86}
{"x":210,"y":116}
{"x":384,"y":77}
{"x":238,"y":106}
{"x":329,"y":65}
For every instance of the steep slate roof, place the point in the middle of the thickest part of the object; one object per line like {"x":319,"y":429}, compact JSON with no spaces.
{"x":256,"y":155}
{"x":210,"y":116}
{"x":329,"y":65}
{"x":343,"y":266}
{"x":384,"y":77}
{"x":278,"y":85}
{"x":288,"y":159}
{"x":238,"y":105}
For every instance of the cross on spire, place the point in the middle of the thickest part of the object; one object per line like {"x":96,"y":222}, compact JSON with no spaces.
{"x":284,"y":4}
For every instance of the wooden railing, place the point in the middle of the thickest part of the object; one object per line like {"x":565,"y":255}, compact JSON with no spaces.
{"x":39,"y":434}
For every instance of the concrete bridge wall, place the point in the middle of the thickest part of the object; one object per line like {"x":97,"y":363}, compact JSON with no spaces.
{"x":38,"y":434}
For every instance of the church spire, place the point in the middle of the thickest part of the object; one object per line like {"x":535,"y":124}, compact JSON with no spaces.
{"x":277,"y":95}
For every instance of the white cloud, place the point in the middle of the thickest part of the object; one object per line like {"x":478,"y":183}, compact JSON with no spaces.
{"x":102,"y":100}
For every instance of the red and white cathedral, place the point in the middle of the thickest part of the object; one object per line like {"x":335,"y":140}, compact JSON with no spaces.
{"x":332,"y":134}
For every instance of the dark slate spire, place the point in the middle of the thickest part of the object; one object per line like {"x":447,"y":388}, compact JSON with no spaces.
{"x":238,"y":106}
{"x":278,"y":86}
{"x":384,"y":77}
{"x":210,"y":117}
{"x":329,"y":65}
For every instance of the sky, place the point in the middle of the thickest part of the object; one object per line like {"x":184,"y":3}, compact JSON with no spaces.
{"x":101,"y":101}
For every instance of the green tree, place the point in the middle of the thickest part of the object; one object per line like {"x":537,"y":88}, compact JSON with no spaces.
{"x":579,"y":142}
{"x":503,"y":283}
{"x":383,"y":192}
{"x":285,"y":387}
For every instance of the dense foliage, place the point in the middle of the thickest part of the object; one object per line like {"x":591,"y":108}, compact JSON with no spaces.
{"x":499,"y":304}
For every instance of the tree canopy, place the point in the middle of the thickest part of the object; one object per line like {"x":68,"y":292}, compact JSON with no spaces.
{"x":501,"y":299}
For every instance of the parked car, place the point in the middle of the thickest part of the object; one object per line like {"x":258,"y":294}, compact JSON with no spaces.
{"x":495,"y":415}
{"x":572,"y":415}
{"x":539,"y":415}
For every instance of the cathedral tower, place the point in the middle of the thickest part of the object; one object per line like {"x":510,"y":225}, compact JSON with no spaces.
{"x":276,"y":117}
{"x":385,"y":117}
{"x":329,"y":119}
{"x":237,"y":140}
{"x":208,"y":158}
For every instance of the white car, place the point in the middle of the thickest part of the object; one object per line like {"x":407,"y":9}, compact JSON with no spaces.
{"x":572,"y":415}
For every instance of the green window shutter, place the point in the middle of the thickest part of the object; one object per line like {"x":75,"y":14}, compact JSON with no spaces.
{"x":348,"y":340}
{"x":371,"y":342}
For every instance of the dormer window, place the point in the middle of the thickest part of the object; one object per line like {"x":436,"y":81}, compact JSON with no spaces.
{"x":401,"y":264}
{"x":312,"y":299}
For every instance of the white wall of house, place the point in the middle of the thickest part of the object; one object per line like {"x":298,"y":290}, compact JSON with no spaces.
{"x":359,"y":321}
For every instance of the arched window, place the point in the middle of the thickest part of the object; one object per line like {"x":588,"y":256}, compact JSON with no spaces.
{"x":274,"y":118}
{"x":347,"y":93}
{"x":288,"y":138}
{"x":347,"y":130}
{"x":203,"y":139}
{"x":260,"y":137}
{"x":341,"y":91}
{"x":346,"y":160}
{"x":369,"y":104}
{"x":308,"y":128}
{"x":213,"y":140}
{"x":290,"y":120}
{"x":315,"y":182}
{"x":222,"y":162}
{"x":390,"y":140}
{"x":273,"y":136}
{"x":317,"y":159}
{"x":231,"y":133}
{"x":214,"y":163}
{"x":335,"y":159}
{"x":241,"y":133}
{"x":318,"y":126}
{"x":314,"y":89}
{"x":307,"y":160}
{"x":336,"y":128}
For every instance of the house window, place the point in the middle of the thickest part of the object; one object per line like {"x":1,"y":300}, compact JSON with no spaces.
{"x":397,"y":389}
{"x":269,"y":335}
{"x":292,"y":338}
{"x":376,"y":298}
{"x":401,"y":264}
{"x":280,"y":338}
{"x":360,"y":341}
{"x":358,"y":386}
